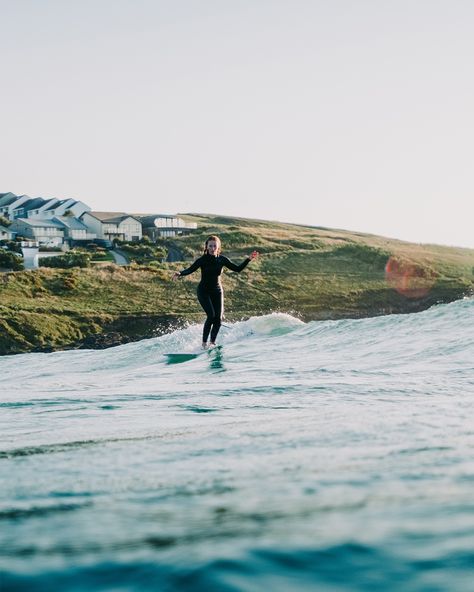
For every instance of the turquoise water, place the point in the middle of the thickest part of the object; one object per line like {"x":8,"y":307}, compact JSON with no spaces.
{"x":327,"y":456}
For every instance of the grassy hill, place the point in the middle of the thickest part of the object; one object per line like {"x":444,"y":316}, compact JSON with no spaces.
{"x":314,"y":273}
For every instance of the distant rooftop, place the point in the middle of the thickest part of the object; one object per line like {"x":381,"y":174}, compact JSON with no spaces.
{"x":112,"y":217}
{"x":39,"y":223}
{"x":7,"y":198}
{"x":70,"y":222}
{"x":32,"y":203}
{"x":148,"y":219}
{"x":55,"y":203}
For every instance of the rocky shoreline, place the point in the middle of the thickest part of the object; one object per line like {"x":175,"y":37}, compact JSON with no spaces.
{"x":131,"y":328}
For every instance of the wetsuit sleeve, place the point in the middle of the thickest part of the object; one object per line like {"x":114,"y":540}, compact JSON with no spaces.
{"x":192,"y":268}
{"x":232,"y":266}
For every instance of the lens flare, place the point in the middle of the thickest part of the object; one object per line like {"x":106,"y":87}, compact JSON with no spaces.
{"x":409,"y":279}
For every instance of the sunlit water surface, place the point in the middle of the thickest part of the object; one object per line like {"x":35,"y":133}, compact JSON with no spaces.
{"x":323,"y":456}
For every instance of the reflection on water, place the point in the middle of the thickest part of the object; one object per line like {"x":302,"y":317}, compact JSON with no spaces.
{"x":216,"y":359}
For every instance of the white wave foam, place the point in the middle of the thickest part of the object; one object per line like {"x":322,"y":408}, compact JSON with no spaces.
{"x":272,"y":325}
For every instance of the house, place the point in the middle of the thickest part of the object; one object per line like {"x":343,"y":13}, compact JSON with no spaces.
{"x":22,"y":210}
{"x":60,"y":207}
{"x":10,"y":202}
{"x":74,"y":230}
{"x":46,"y":232}
{"x":13,"y":206}
{"x":113,"y":225}
{"x":38,"y":212}
{"x":164,"y":225}
{"x":5,"y":200}
{"x":6,"y":233}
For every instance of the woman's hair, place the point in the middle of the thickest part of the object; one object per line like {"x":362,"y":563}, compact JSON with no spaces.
{"x":213,"y":237}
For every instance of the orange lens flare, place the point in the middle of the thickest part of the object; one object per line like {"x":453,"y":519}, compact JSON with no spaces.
{"x":408,"y":279}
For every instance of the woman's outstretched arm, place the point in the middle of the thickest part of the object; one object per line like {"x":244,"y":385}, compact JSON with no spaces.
{"x":234,"y":267}
{"x":191,"y":269}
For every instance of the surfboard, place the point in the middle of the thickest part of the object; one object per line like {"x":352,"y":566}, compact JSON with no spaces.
{"x":179,"y":358}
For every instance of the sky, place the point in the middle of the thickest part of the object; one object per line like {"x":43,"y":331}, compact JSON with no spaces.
{"x":353,"y":114}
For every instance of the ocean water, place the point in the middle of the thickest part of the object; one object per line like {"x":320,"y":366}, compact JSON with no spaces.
{"x":329,"y":456}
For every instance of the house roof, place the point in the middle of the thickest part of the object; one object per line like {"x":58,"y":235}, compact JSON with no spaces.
{"x":38,"y":223}
{"x":149,"y":219}
{"x":7,"y":198}
{"x":31,"y":204}
{"x":6,"y":195}
{"x":53,"y":202}
{"x":111,"y":217}
{"x":69,"y":201}
{"x":4,"y":229}
{"x":70,"y":222}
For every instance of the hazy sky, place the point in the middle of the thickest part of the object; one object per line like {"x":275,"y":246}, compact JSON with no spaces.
{"x":354,"y":114}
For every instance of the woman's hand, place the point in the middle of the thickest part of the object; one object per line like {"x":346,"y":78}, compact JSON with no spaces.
{"x":253,"y":255}
{"x":176,"y":275}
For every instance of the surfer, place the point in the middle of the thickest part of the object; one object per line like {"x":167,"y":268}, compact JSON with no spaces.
{"x":209,"y":292}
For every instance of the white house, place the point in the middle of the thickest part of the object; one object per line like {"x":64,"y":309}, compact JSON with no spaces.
{"x":46,"y":205}
{"x":111,"y":225}
{"x":9,"y":202}
{"x":74,"y":229}
{"x":13,"y":206}
{"x":5,"y":200}
{"x":55,"y":208}
{"x":164,"y":225}
{"x":22,"y":210}
{"x":45,"y":232}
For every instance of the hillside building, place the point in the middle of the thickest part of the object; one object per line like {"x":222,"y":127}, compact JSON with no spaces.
{"x":45,"y":232}
{"x":113,"y":225}
{"x":157,"y":226}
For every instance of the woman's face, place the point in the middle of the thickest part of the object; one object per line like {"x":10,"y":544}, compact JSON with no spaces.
{"x":212,"y":247}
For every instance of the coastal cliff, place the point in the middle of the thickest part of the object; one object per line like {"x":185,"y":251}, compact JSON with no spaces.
{"x":313,"y":273}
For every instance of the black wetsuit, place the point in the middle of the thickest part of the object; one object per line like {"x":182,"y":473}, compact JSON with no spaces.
{"x":209,"y":291}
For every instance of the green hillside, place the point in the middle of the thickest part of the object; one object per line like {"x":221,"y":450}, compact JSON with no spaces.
{"x":314,"y":273}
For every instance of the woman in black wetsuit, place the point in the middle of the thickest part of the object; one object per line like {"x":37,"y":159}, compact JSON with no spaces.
{"x":209,"y":292}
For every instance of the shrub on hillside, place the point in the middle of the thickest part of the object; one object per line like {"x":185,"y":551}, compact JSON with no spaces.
{"x":372,"y":256}
{"x":96,"y":253}
{"x":71,"y":259}
{"x":13,"y":246}
{"x":137,"y":249}
{"x":9,"y":260}
{"x":142,"y":253}
{"x":70,"y":281}
{"x":102,"y":256}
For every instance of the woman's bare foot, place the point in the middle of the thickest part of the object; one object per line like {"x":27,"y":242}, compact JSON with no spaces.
{"x":204,"y":345}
